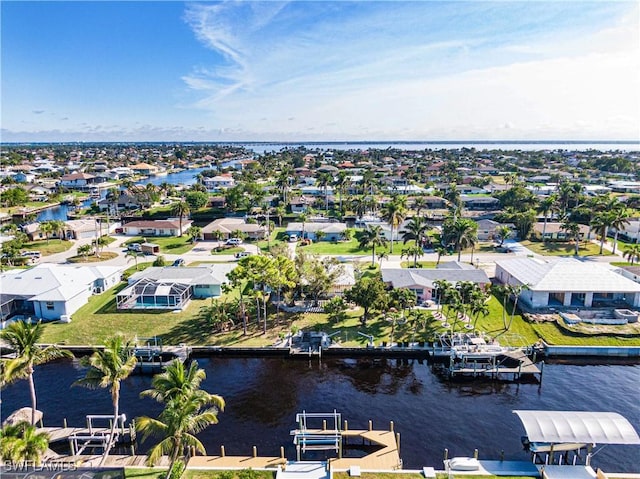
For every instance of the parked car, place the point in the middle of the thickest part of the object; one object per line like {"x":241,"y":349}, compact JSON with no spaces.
{"x":234,"y":241}
{"x":242,"y":254}
{"x":135,"y":247}
{"x":178,"y":262}
{"x":293,"y":238}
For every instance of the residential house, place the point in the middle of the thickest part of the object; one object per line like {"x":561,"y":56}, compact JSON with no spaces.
{"x":144,"y":169}
{"x":558,"y":282}
{"x":52,"y":291}
{"x":227,"y":227}
{"x":487,"y":229}
{"x":477,"y":202}
{"x":330,"y":231}
{"x":77,"y":180}
{"x":554,"y":231}
{"x":422,"y":281}
{"x":218,"y":183}
{"x":168,"y":227}
{"x":629,"y":232}
{"x":173,"y":287}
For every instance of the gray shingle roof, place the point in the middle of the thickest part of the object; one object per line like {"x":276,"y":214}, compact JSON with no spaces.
{"x":408,"y":277}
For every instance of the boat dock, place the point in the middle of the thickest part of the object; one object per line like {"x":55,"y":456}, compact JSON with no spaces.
{"x":153,"y":356}
{"x":514,"y":365}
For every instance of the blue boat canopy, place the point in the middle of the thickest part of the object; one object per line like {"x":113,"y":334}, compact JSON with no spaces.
{"x":577,"y":427}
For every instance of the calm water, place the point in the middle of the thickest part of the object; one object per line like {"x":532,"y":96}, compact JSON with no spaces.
{"x":263,"y":395}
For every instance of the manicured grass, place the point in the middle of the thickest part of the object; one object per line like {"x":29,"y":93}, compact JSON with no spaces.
{"x":92,"y":258}
{"x":560,"y":248}
{"x":148,"y":473}
{"x":344,"y":247}
{"x":226,"y":250}
{"x":168,"y":244}
{"x":47,"y":248}
{"x":421,"y":264}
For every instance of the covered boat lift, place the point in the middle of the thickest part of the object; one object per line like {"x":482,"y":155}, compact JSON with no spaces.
{"x":563,"y":432}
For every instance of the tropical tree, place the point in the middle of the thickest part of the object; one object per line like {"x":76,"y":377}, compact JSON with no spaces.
{"x":546,"y":207}
{"x":341,"y":182}
{"x":188,"y":410}
{"x":503,"y":232}
{"x":108,"y":367}
{"x":620,"y":218}
{"x":325,"y":180}
{"x":414,"y":251}
{"x":195,"y":233}
{"x":382,"y":255}
{"x":420,"y":204}
{"x":632,"y":252}
{"x":21,"y":443}
{"x":601,"y":222}
{"x":133,"y":254}
{"x":372,"y":237}
{"x":181,"y":209}
{"x":84,"y":250}
{"x":461,"y":232}
{"x":394,"y":213}
{"x":510,"y":290}
{"x":23,"y":338}
{"x":336,"y":309}
{"x":46,"y":227}
{"x":368,"y":293}
{"x":573,"y":232}
{"x":415,"y":229}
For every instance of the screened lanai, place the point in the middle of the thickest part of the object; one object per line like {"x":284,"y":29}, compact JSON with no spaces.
{"x":149,"y":294}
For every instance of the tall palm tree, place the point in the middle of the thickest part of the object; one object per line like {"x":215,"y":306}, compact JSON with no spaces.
{"x":374,"y":237}
{"x":503,"y":232}
{"x":47,"y":228}
{"x":108,"y":367}
{"x":546,"y":207}
{"x":325,"y":180}
{"x":188,"y":410}
{"x":195,"y":233}
{"x":394,"y":213}
{"x":415,"y":229}
{"x":462,"y":232}
{"x":133,"y":254}
{"x":573,"y":231}
{"x":341,"y":181}
{"x":601,"y":222}
{"x":419,"y":204}
{"x":23,"y":337}
{"x":303,"y":217}
{"x":620,"y":218}
{"x":21,"y":443}
{"x":181,"y":209}
{"x":414,"y":250}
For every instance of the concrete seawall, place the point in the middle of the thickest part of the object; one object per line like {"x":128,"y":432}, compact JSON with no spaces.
{"x":593,"y":351}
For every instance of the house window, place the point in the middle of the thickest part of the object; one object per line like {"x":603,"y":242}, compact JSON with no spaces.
{"x":50,"y":305}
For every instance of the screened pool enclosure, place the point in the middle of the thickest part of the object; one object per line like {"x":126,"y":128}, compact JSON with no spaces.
{"x":149,"y":294}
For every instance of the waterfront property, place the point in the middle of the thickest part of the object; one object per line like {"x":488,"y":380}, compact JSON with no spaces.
{"x":172,"y":288}
{"x":228,"y":227}
{"x":51,"y":291}
{"x":422,"y":281}
{"x":558,"y":282}
{"x":330,"y":231}
{"x":169,"y":227}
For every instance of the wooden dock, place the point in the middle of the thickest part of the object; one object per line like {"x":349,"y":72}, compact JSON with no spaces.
{"x":512,"y":364}
{"x":387,"y":458}
{"x":235,"y":462}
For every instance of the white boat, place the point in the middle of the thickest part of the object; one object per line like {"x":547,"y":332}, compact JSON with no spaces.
{"x":463,"y":464}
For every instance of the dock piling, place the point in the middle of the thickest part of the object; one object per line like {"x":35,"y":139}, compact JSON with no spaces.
{"x":346,"y":425}
{"x":64,"y":422}
{"x":370,"y":425}
{"x":475,"y":453}
{"x":255,"y":451}
{"x":446,"y":454}
{"x":281,"y":452}
{"x":391,"y":426}
{"x":222,"y":451}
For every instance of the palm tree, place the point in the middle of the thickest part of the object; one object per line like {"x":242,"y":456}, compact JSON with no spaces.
{"x":503,"y":232}
{"x":546,"y":206}
{"x":195,"y":233}
{"x":84,"y":250}
{"x":415,"y":229}
{"x":21,"y":443}
{"x":47,"y":228}
{"x":279,"y":212}
{"x":573,"y":231}
{"x":382,"y":255}
{"x":108,"y":367}
{"x":188,"y":410}
{"x":415,"y":251}
{"x":133,"y":254}
{"x":23,"y":337}
{"x":632,"y":252}
{"x":181,"y":209}
{"x":419,"y":204}
{"x":462,"y":232}
{"x":341,"y":182}
{"x":303,"y":219}
{"x":394,"y":213}
{"x":601,"y":223}
{"x":620,"y":219}
{"x":325,"y":180}
{"x":374,"y":237}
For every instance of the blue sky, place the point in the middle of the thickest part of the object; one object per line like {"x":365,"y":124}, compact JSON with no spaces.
{"x":319,"y":70}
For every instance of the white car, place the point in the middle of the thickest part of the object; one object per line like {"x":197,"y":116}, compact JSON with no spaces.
{"x":234,"y":241}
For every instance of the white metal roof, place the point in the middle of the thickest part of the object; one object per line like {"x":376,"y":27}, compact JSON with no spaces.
{"x":578,"y":427}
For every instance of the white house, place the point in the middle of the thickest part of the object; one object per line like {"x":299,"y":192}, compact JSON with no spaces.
{"x":169,"y":227}
{"x":557,"y":282}
{"x":77,"y":180}
{"x":217,"y":183}
{"x":50,"y":291}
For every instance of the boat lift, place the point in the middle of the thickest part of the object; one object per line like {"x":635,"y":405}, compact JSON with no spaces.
{"x":96,"y":437}
{"x":320,"y":439}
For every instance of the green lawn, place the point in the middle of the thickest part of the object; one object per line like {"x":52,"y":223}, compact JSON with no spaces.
{"x":168,"y":244}
{"x":92,"y":258}
{"x":350,"y":247}
{"x":421,"y":264}
{"x":561,"y":248}
{"x":156,"y":473}
{"x":47,"y":248}
{"x":226,"y":250}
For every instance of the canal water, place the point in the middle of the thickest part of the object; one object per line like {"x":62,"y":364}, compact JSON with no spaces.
{"x":61,"y":212}
{"x":430,"y":413}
